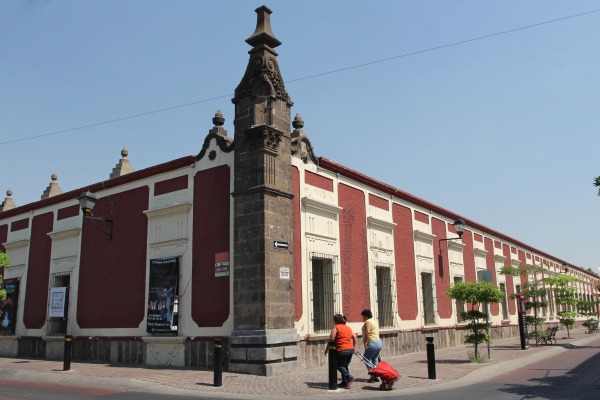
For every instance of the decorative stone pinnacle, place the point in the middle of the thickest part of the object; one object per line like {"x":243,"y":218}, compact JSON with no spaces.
{"x":263,"y":35}
{"x":9,"y":192}
{"x":218,"y":119}
{"x":124,"y":152}
{"x":54,"y":177}
{"x":297,"y":123}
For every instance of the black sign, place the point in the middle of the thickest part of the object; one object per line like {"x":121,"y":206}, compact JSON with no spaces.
{"x":281,"y":245}
{"x":163,"y":286}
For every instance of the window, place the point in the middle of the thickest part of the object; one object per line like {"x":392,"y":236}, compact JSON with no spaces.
{"x":428,"y":298}
{"x":385,"y":297}
{"x":325,"y":297}
{"x":460,"y":305}
{"x":58,"y":326}
{"x":505,"y":315}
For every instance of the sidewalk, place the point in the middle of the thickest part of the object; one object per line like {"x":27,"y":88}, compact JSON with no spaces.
{"x":452,"y":367}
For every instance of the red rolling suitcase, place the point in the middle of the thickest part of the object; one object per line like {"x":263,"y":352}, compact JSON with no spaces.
{"x":382,"y":370}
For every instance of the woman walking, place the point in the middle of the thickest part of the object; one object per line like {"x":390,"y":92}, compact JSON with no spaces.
{"x":345,"y":342}
{"x":371,"y":340}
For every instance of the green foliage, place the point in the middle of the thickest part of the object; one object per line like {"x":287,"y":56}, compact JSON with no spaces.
{"x":4,"y":260}
{"x":476,"y":293}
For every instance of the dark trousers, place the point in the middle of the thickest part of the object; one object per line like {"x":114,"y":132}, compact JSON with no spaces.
{"x":343,"y":361}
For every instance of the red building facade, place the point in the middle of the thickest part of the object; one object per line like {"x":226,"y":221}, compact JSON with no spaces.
{"x":255,"y":240}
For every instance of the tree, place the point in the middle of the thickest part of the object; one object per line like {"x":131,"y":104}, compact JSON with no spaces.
{"x":565,"y":297}
{"x":476,"y":294}
{"x":597,"y":184}
{"x":535,"y":296}
{"x":4,"y":262}
{"x":588,"y":309}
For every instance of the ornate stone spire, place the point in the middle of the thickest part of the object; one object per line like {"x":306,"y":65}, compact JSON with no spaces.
{"x":123,"y":167}
{"x":262,"y":77}
{"x":8,"y":203}
{"x":53,"y":189}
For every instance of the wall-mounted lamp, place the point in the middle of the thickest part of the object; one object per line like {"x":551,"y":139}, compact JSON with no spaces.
{"x":87,"y":201}
{"x":459,"y":226}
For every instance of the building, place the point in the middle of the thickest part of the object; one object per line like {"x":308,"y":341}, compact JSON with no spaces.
{"x":254,"y":240}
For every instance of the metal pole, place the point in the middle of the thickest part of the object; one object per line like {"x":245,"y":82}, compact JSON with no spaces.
{"x":332,"y":354}
{"x":218,"y":363}
{"x":67,"y":355}
{"x":430,"y":358}
{"x":68,"y":338}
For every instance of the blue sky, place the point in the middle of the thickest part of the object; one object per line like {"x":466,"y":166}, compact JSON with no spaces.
{"x":503,"y":130}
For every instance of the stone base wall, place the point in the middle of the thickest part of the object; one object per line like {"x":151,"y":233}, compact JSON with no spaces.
{"x":400,"y":343}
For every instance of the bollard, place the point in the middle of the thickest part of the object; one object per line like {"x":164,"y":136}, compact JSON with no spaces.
{"x":430,"y":358}
{"x":67,"y":351}
{"x":218,"y":363}
{"x":332,"y":353}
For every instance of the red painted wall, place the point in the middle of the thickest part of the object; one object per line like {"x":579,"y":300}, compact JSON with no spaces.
{"x":68,"y":212}
{"x":491,"y":266}
{"x":210,"y":294}
{"x":318,"y":181}
{"x":379,"y":202}
{"x":171,"y":185}
{"x":38,"y":269}
{"x":297,"y":244}
{"x":469,"y":257}
{"x":419,"y":216}
{"x":112,"y":274}
{"x":354,"y":256}
{"x":404,"y":251}
{"x":19,"y":225}
{"x":442,"y":270}
{"x":510,"y":287}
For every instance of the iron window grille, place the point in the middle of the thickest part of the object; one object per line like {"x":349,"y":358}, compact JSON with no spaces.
{"x":325,"y":294}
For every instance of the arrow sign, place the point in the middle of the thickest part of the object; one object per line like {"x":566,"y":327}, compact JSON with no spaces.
{"x":281,"y":245}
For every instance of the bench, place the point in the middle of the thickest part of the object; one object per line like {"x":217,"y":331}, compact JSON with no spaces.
{"x":548,"y":336}
{"x":591,"y":325}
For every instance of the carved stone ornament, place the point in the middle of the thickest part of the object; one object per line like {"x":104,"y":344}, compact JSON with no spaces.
{"x":261,"y":70}
{"x":265,"y":137}
{"x":218,"y":133}
{"x":300,"y":144}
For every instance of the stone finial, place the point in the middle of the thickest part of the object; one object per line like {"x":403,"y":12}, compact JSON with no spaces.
{"x":301,"y":146}
{"x":218,"y":119}
{"x":297,"y":123}
{"x":123,"y":167}
{"x":263,"y":35}
{"x":53,"y":189}
{"x":8,"y":203}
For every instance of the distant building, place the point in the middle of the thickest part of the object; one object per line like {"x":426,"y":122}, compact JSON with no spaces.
{"x":254,"y":240}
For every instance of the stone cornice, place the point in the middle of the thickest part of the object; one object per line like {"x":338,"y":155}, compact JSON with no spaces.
{"x":65,"y":234}
{"x":321,"y":205}
{"x":172,"y":209}
{"x":381,"y":223}
{"x":480,"y":252}
{"x":425,"y":236}
{"x":16,"y":244}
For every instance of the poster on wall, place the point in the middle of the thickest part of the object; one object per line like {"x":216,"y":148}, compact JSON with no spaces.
{"x":162,"y":290}
{"x":8,"y":307}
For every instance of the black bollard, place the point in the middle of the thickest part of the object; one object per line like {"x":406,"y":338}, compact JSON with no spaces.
{"x":430,"y":358}
{"x":218,"y":363}
{"x":67,"y":355}
{"x":332,"y":354}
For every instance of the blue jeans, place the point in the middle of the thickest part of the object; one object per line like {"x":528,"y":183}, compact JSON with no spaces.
{"x":343,"y":361}
{"x":372,"y":352}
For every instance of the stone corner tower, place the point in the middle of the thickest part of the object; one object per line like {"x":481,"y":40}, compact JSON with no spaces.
{"x":264,"y":340}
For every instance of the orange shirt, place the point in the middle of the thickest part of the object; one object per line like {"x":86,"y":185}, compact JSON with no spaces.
{"x":343,"y":337}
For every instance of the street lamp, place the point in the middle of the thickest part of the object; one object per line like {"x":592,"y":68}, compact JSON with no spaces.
{"x":459,"y":226}
{"x":87,"y":201}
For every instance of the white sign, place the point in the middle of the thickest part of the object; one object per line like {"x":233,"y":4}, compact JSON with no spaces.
{"x":58,"y":301}
{"x":222,"y":269}
{"x":284,"y":273}
{"x":278,"y":244}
